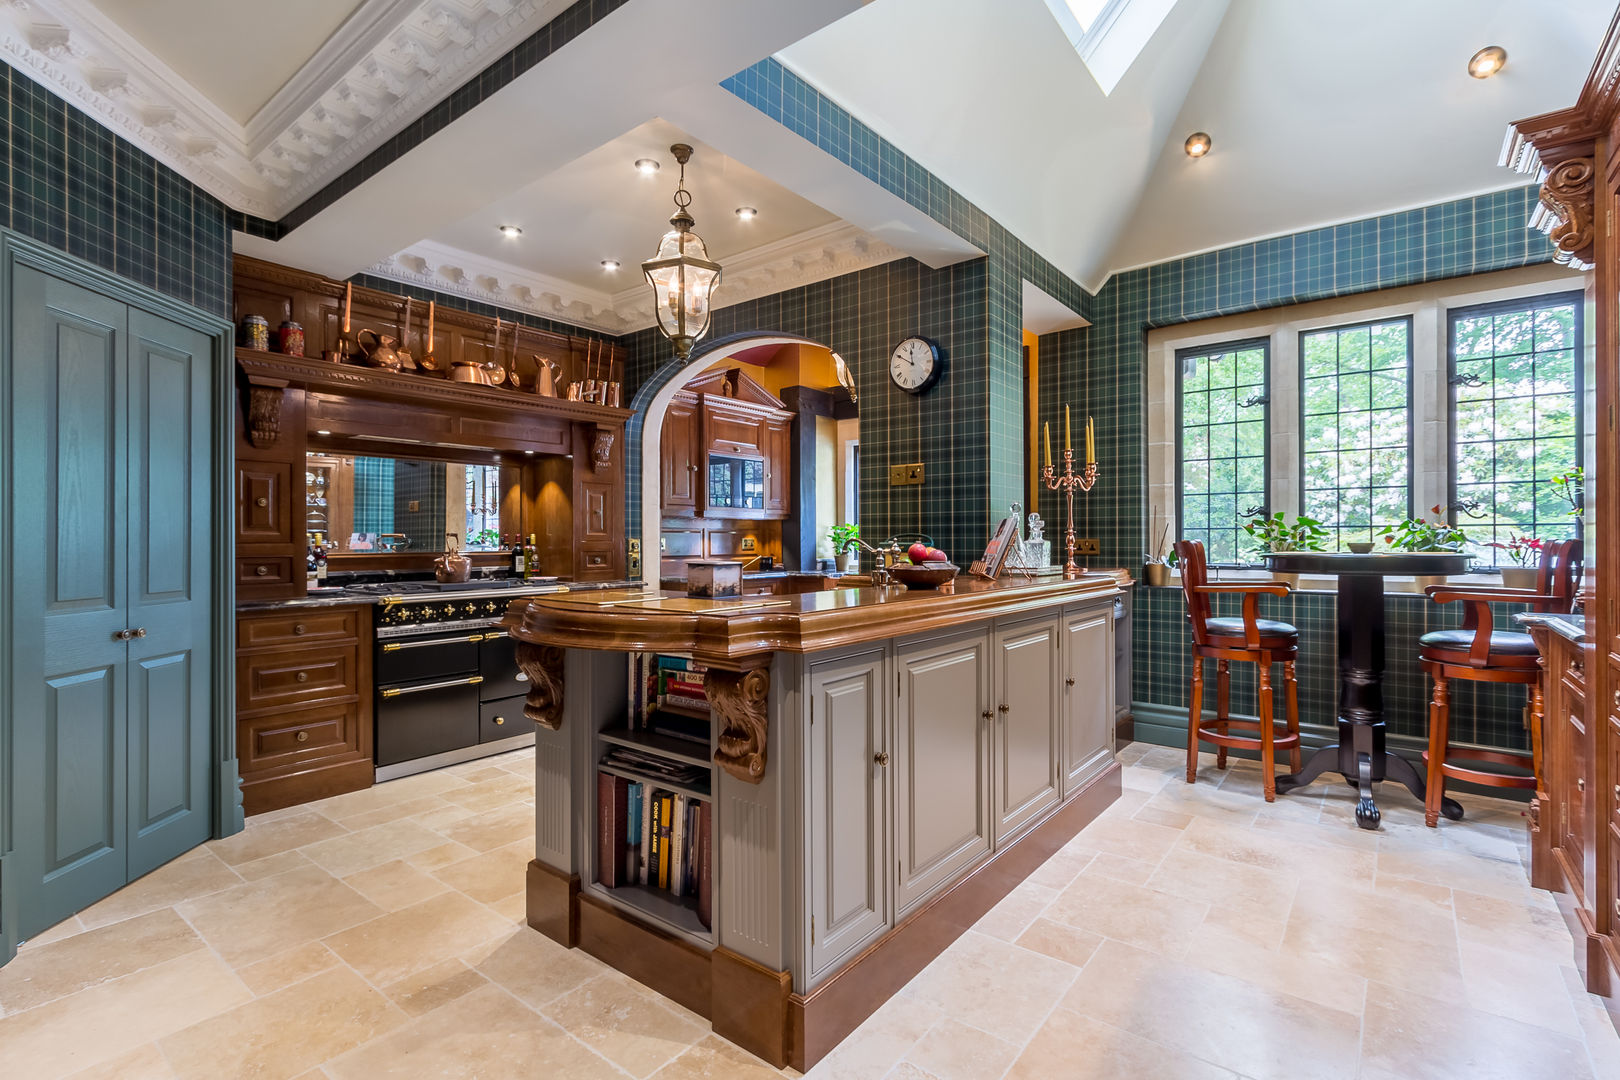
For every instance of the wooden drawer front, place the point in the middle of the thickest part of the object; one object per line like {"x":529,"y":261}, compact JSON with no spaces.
{"x":298,"y":628}
{"x":285,"y":739}
{"x":594,"y":564}
{"x":264,"y":680}
{"x":734,"y":434}
{"x":264,"y":502}
{"x":266,"y":570}
{"x":1614,"y":784}
{"x":502,"y":719}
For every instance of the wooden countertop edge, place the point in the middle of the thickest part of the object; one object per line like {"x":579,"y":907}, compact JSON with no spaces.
{"x":568,"y":624}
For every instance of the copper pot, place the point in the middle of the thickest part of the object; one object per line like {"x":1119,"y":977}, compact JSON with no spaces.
{"x":471,"y":371}
{"x":452,"y":566}
{"x":381,"y":353}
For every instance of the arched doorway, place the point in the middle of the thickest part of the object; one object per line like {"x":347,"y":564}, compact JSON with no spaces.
{"x":643,"y":437}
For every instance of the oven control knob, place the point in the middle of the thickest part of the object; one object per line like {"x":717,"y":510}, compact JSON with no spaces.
{"x":499,"y":720}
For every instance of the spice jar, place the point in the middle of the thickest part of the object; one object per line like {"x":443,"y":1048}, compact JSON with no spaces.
{"x":256,"y":333}
{"x":290,"y":339}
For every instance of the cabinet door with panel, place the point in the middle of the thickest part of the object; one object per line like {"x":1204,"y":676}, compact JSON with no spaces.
{"x":679,"y":456}
{"x":1088,"y":694}
{"x":941,"y":762}
{"x":778,"y":465}
{"x":849,"y":895}
{"x":1027,"y":657}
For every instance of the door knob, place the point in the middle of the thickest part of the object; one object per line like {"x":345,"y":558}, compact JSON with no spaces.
{"x":261,"y":571}
{"x":303,"y":736}
{"x":122,"y":635}
{"x":1003,"y":708}
{"x":882,"y":758}
{"x":500,"y":720}
{"x":302,"y":676}
{"x":261,"y":501}
{"x":987,"y":714}
{"x":1068,"y":682}
{"x":140,"y":631}
{"x":298,"y":628}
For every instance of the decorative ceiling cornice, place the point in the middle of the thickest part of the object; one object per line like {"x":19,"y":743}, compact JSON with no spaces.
{"x":389,"y":63}
{"x":808,"y":257}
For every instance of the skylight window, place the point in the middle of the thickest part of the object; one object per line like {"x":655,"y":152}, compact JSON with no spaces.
{"x":1109,"y":34}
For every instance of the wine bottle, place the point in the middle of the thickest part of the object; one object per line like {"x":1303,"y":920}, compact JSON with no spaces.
{"x":531,"y":561}
{"x":517,"y":556}
{"x":320,"y":563}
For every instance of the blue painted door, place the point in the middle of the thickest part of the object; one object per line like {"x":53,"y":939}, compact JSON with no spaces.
{"x":108,"y":466}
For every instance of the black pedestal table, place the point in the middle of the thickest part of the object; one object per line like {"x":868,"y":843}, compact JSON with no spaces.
{"x":1360,"y":756}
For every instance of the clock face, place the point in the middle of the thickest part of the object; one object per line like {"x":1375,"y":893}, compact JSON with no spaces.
{"x":914,"y":365}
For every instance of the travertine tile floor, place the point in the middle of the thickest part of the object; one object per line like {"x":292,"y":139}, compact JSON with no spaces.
{"x":1189,"y":932}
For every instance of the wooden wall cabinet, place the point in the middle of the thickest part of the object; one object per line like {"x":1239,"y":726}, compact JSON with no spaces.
{"x":725,"y":413}
{"x":681,"y":456}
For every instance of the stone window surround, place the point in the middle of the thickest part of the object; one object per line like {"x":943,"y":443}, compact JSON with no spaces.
{"x":1426,"y":304}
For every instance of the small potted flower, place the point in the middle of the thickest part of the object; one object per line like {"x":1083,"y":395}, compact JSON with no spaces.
{"x":1525,"y":553}
{"x":1278,"y":533}
{"x":1421,"y":534}
{"x":846,"y":539}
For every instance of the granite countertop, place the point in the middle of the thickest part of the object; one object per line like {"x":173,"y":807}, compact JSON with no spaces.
{"x":323,"y":598}
{"x":1572,"y":627}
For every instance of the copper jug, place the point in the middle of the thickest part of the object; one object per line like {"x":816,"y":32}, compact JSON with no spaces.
{"x":381,"y":352}
{"x":545,"y":380}
{"x":452,"y":565}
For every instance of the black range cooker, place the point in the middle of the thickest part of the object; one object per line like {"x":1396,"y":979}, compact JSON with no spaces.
{"x":448,"y":684}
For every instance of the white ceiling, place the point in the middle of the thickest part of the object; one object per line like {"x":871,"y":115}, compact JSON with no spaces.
{"x":235,"y":54}
{"x":599,"y":207}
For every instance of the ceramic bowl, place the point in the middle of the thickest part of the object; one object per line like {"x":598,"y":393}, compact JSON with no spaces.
{"x":924,"y":576}
{"x":1361,"y":547}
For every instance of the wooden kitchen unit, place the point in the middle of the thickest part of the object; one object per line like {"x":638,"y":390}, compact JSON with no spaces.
{"x":882,"y":767}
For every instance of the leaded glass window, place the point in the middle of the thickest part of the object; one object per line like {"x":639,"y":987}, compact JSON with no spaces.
{"x":1222,"y":445}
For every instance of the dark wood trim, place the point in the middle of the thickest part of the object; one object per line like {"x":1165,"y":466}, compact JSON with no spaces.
{"x":821,"y":1019}
{"x":668,"y":964}
{"x":319,"y":781}
{"x":551,"y":903}
{"x":749,"y":1004}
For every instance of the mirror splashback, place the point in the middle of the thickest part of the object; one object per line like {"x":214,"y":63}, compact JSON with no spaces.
{"x":376,"y":505}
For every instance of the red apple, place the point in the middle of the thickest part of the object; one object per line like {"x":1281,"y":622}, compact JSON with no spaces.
{"x":933,"y":554}
{"x":919,"y":552}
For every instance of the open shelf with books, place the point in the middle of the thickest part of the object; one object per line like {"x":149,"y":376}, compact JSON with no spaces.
{"x":653,"y":807}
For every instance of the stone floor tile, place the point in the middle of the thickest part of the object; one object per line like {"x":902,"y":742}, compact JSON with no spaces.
{"x":264,"y":838}
{"x":392,"y":946}
{"x":43,"y":973}
{"x":625,"y":1023}
{"x":952,"y":1050}
{"x":198,"y":872}
{"x":1418,"y":1037}
{"x":532,"y":967}
{"x":253,"y":922}
{"x":394,"y":885}
{"x":1028,"y":985}
{"x":1074,"y":1047}
{"x":285,"y":968}
{"x":356,"y":851}
{"x":493,"y":875}
{"x":1131,"y":913}
{"x":432,"y":987}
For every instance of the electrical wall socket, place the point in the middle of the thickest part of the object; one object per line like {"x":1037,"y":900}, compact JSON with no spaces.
{"x":1087,"y":546}
{"x":905,"y":475}
{"x":748,"y":544}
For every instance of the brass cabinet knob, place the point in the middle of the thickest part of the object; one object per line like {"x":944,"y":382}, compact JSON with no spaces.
{"x":261,"y":501}
{"x":303,"y":736}
{"x":1003,"y":708}
{"x":261,"y":571}
{"x":1580,"y":783}
{"x":499,"y":720}
{"x":298,"y":628}
{"x":302,"y":676}
{"x":882,"y":758}
{"x":987,"y":714}
{"x":1068,"y":682}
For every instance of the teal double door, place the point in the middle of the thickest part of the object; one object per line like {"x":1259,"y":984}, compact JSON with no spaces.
{"x":109,"y":593}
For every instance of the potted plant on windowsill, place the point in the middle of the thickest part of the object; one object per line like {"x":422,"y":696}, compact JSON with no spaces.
{"x":1525,"y":552}
{"x":1420,"y":534}
{"x":1278,"y":533}
{"x":846,"y":540}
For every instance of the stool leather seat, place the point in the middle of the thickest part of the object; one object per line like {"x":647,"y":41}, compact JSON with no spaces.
{"x":1233,"y":628}
{"x":1503,"y":643}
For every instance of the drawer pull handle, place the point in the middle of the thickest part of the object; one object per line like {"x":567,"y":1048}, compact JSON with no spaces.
{"x":261,"y":571}
{"x":298,"y":628}
{"x":396,"y":691}
{"x":499,"y":720}
{"x":303,"y":736}
{"x":471,"y":639}
{"x":302,"y":676}
{"x":261,"y":502}
{"x":1580,"y":783}
{"x":882,"y":758}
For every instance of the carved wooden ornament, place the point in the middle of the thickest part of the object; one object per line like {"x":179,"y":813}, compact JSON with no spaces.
{"x":602,"y":449}
{"x":543,"y":664}
{"x":739,"y":700}
{"x":264,"y":415}
{"x":1567,"y":193}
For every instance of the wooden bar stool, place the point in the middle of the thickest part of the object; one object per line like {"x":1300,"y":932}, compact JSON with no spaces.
{"x":1480,"y":653}
{"x":1250,"y":639}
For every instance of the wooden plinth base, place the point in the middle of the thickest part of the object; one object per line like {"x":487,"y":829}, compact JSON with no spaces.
{"x":753,"y":1006}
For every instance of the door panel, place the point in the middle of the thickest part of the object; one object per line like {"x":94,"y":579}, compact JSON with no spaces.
{"x":678,"y":456}
{"x":1088,"y":696}
{"x":941,"y":763}
{"x":170,"y":591}
{"x":69,"y":591}
{"x":1028,"y":772}
{"x":849,"y":897}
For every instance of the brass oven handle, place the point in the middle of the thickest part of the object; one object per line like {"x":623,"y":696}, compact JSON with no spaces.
{"x":395,"y":646}
{"x":396,"y":691}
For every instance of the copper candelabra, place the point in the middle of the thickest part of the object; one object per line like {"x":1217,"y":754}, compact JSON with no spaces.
{"x":1067,"y":483}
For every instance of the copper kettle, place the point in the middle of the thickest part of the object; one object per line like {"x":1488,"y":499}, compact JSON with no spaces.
{"x":452,"y":566}
{"x":382,"y":352}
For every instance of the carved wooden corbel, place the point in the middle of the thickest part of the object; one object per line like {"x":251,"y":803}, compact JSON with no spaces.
{"x":602,"y":449}
{"x":264,"y":415}
{"x":740,"y":700}
{"x":543,"y":664}
{"x":1567,"y":194}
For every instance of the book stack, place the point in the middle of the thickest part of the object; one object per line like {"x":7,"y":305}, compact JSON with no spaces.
{"x":680,"y":685}
{"x":656,"y":767}
{"x":656,"y":838}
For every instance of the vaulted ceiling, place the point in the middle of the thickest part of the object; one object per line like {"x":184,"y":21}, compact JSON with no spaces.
{"x":1320,"y":112}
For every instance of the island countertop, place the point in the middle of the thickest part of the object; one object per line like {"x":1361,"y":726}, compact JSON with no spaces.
{"x":642,"y":620}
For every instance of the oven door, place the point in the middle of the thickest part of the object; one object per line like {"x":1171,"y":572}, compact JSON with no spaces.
{"x":420,"y":719}
{"x":427,"y":656}
{"x":497,"y":663}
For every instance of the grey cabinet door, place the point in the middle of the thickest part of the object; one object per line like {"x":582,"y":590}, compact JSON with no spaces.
{"x":1028,"y":725}
{"x":849,"y":896}
{"x":69,"y":596}
{"x":941,"y":762}
{"x":1088,"y":695}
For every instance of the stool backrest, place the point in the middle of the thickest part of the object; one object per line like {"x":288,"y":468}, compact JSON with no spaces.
{"x":1194,"y":574}
{"x":1559,"y":578}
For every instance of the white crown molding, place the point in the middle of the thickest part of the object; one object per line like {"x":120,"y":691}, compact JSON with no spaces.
{"x":803,"y":259}
{"x":388,"y":64}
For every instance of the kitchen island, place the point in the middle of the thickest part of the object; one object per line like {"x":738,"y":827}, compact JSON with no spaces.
{"x":881,"y":767}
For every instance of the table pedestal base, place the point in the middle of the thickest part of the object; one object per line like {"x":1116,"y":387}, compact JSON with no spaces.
{"x":1360,"y":757}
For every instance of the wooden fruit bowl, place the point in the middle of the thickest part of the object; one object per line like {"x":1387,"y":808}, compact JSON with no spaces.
{"x":924,"y":576}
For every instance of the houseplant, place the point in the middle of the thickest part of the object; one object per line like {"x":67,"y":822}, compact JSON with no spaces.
{"x":1278,"y":533}
{"x":1156,"y":563}
{"x":1525,"y":553}
{"x":1420,"y":534}
{"x":846,"y":539}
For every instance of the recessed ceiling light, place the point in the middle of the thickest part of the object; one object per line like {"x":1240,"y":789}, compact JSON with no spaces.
{"x":747,"y":213}
{"x":511,"y":232}
{"x":1487,"y":62}
{"x":610,"y":264}
{"x":528,"y":453}
{"x":646,"y":166}
{"x":1198,"y":144}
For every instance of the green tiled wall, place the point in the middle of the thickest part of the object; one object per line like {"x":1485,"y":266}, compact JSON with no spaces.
{"x":69,"y":182}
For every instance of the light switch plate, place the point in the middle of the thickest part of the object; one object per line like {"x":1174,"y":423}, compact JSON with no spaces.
{"x":905,"y":475}
{"x":748,"y":544}
{"x":1087,"y":546}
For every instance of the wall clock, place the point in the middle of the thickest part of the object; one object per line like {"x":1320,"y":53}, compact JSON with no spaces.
{"x":914,"y":365}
